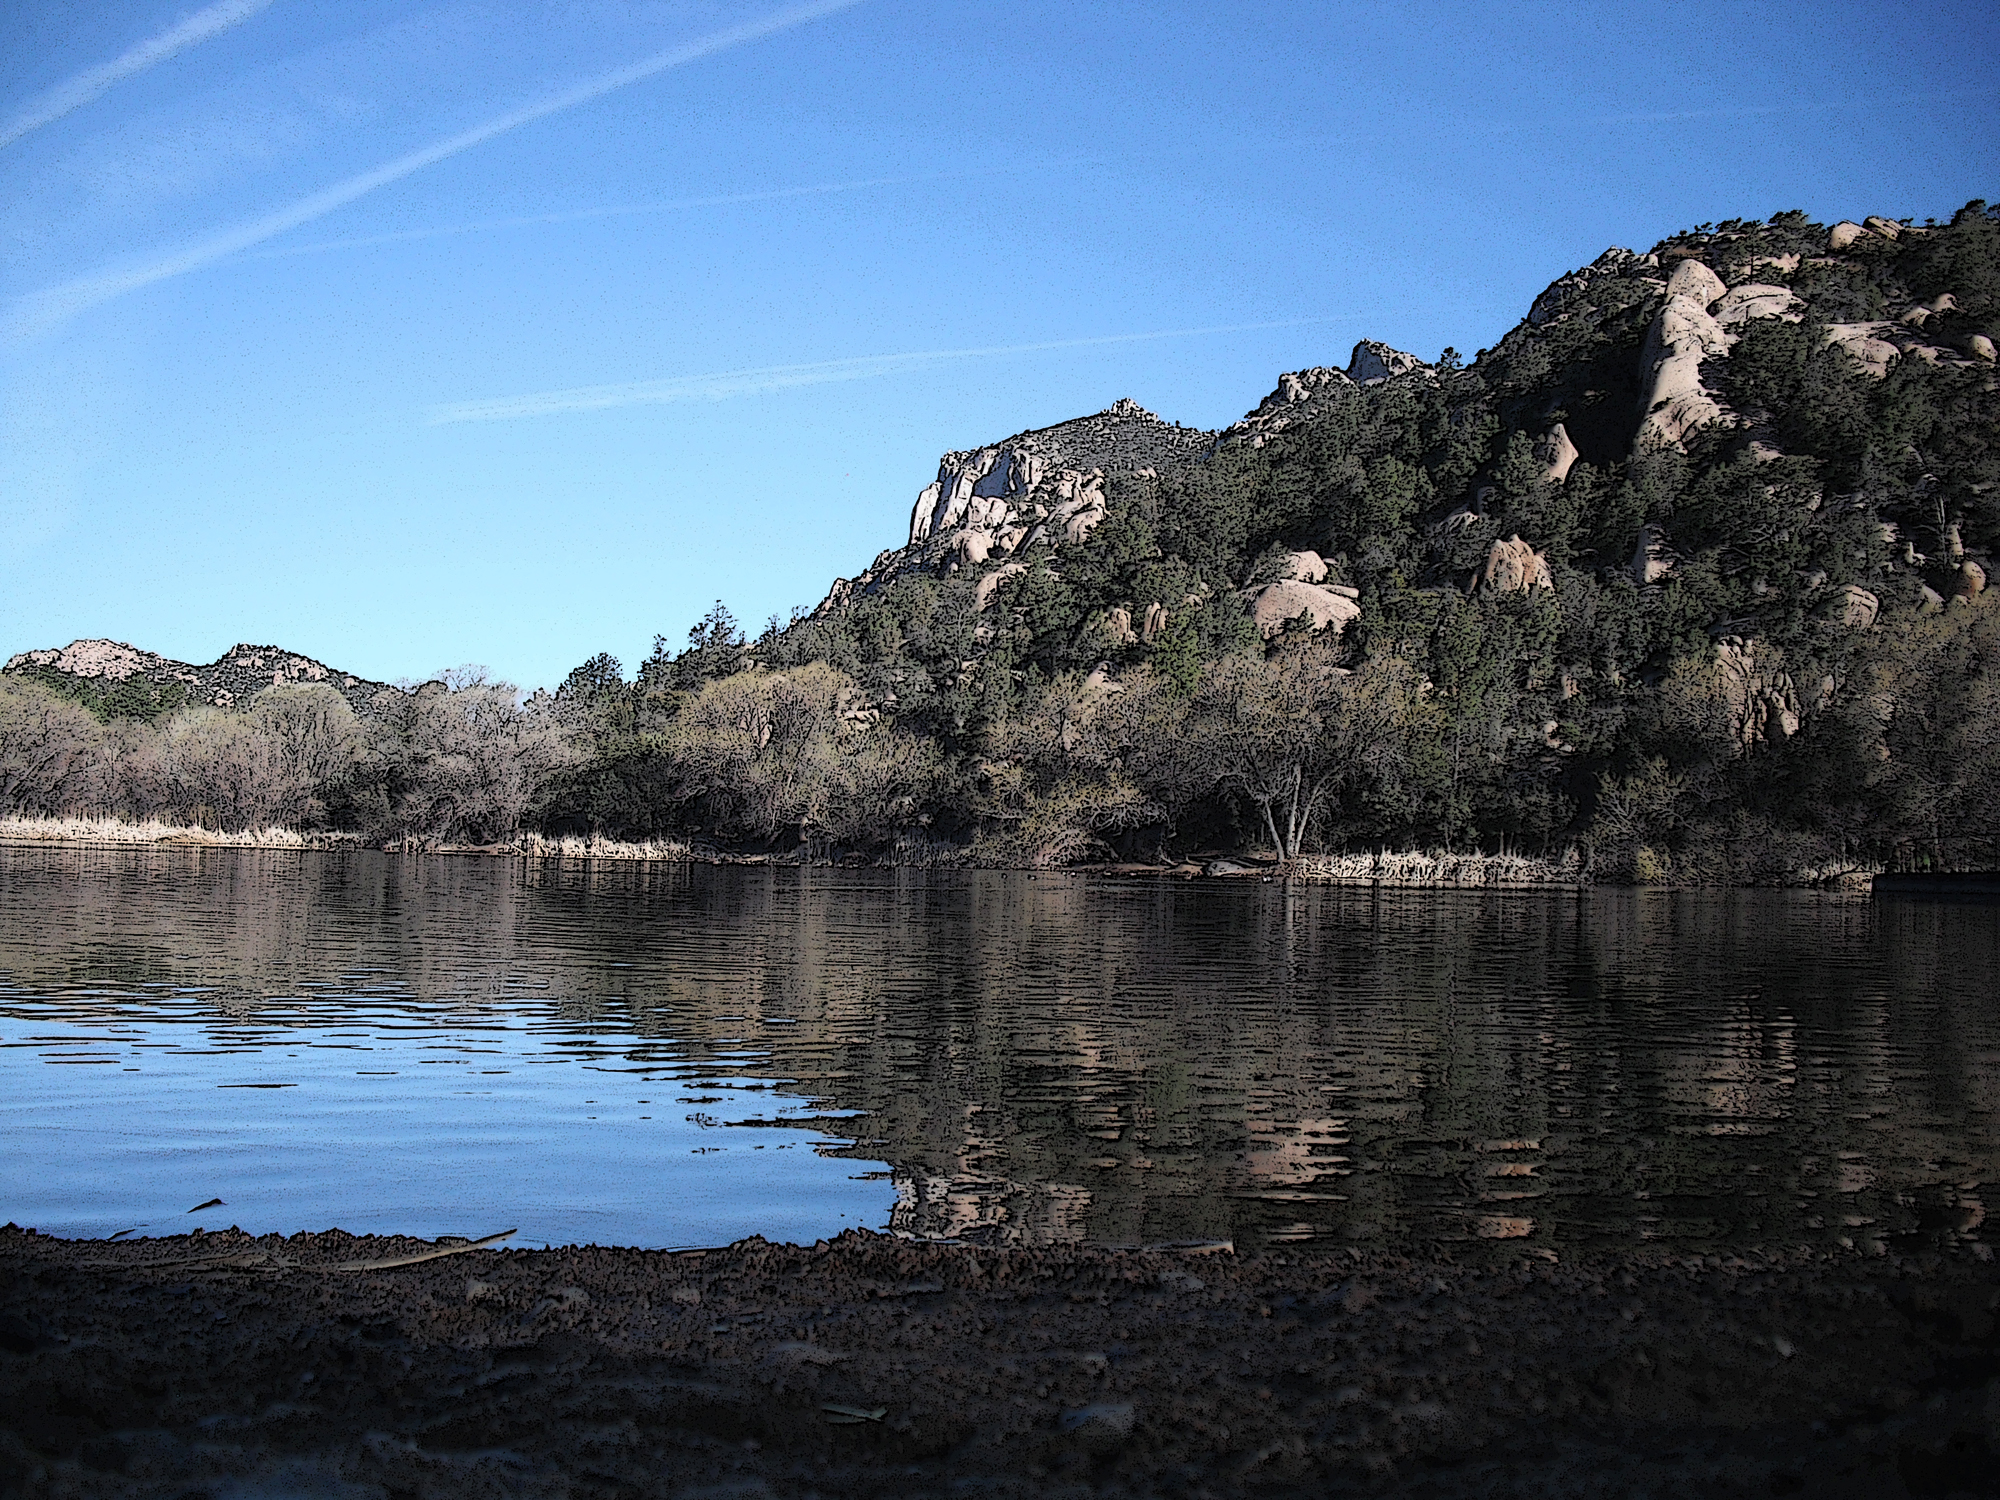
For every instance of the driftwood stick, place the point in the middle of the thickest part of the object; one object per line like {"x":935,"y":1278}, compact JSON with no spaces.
{"x":388,"y":1262}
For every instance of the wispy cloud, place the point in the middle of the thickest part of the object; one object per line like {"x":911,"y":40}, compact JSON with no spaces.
{"x":74,"y":93}
{"x":630,"y":210}
{"x":723,"y":384}
{"x":41,"y":311}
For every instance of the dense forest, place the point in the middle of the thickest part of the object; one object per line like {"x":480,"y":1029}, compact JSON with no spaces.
{"x":1685,"y":578}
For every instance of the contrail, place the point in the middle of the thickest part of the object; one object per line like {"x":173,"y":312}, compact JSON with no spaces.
{"x":726,"y":383}
{"x":41,"y":311}
{"x":616,"y":211}
{"x":87,"y":85}
{"x":671,"y":205}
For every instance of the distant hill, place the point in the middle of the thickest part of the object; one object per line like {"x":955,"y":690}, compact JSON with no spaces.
{"x":125,"y":681}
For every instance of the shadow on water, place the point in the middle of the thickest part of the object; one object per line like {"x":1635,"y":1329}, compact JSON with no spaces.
{"x":1034,"y":1059}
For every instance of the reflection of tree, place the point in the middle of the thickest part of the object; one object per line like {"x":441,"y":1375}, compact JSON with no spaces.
{"x":1049,"y":1059}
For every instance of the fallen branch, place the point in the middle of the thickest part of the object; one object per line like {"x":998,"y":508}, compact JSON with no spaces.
{"x":389,"y":1262}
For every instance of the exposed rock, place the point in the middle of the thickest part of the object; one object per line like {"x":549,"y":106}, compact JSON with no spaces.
{"x":1118,"y":625}
{"x":1557,"y":452}
{"x":1674,"y":402}
{"x":972,"y":546}
{"x":1869,"y":345}
{"x":236,"y":676}
{"x":1785,"y":263}
{"x":1652,"y":560}
{"x":1853,"y":606}
{"x":1156,"y":622}
{"x":1300,"y":394}
{"x":1100,"y":680}
{"x":1059,"y":469}
{"x":1513,"y":567}
{"x":1843,"y":234}
{"x":1694,"y":281}
{"x":1763,"y":703}
{"x":1742,"y":304}
{"x":1979,"y":346}
{"x":1929,"y":600}
{"x":1971,"y":580}
{"x":1305,"y":567}
{"x":1276,"y":604}
{"x":1372,"y":361}
{"x":1565,"y":291}
{"x":93,"y":658}
{"x":1889,"y":229}
{"x":983,"y":595}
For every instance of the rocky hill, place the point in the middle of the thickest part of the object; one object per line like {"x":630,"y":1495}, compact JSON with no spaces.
{"x":1617,"y":365}
{"x":1679,"y":554}
{"x":137,"y":682}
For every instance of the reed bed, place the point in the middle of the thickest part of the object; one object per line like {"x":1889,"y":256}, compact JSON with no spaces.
{"x":151,"y":831}
{"x":568,"y":846}
{"x":1438,"y":868}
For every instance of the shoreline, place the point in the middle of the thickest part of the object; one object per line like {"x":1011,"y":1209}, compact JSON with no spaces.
{"x":840,"y":1368}
{"x":1394,"y":870}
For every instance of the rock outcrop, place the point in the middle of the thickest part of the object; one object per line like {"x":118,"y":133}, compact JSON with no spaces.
{"x":1513,"y":567}
{"x":1652,"y":558}
{"x":1852,"y":606}
{"x":1673,"y":400}
{"x":1372,"y":361}
{"x":231,"y":680}
{"x":1305,"y":567}
{"x":1557,"y":453}
{"x":1276,"y":605}
{"x":1302,"y":395}
{"x":1048,"y":480}
{"x":1763,"y":701}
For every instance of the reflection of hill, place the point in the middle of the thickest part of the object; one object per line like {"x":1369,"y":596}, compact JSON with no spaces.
{"x":1051,"y":1059}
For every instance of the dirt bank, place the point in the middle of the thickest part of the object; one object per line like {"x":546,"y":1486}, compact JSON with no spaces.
{"x":994,"y":1372}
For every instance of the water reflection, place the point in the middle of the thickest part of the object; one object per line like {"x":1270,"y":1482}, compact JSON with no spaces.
{"x":1036,"y":1059}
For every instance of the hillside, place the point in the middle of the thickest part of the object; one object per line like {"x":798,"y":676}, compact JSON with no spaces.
{"x":118,"y":680}
{"x":1641,"y":561}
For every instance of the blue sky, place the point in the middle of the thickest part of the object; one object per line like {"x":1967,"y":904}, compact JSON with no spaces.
{"x":407,"y":335}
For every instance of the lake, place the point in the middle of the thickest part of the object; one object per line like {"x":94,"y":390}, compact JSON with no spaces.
{"x":662,"y":1054}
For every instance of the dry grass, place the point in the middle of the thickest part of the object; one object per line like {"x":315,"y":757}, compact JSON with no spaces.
{"x":117,"y":831}
{"x":536,"y":846}
{"x":1438,"y":868}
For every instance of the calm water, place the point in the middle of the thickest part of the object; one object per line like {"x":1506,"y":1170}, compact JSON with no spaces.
{"x":670,"y":1055}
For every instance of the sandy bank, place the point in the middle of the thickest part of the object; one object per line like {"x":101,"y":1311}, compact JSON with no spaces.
{"x":994,"y":1372}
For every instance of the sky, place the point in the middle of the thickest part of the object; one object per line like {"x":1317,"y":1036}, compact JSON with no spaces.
{"x":407,"y":335}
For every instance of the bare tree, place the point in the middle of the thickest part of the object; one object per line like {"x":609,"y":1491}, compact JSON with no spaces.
{"x":54,"y":756}
{"x":468,"y":765}
{"x":315,"y":738}
{"x":213,"y":769}
{"x":1296,"y":734}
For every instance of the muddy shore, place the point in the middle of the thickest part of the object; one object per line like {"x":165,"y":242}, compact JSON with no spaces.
{"x":130,"y":1369}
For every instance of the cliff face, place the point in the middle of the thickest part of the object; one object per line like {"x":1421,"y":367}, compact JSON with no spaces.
{"x":231,"y":680}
